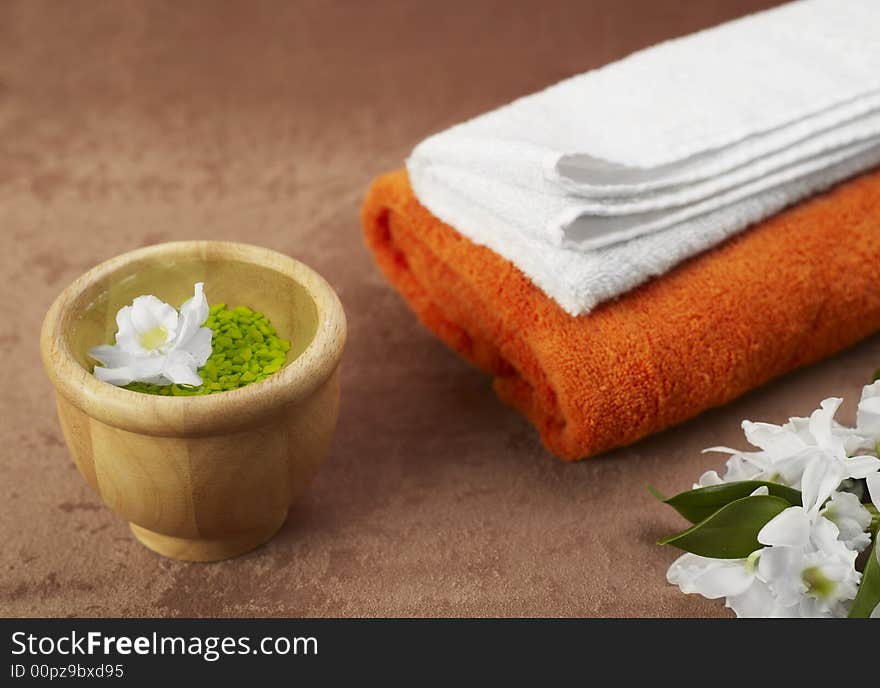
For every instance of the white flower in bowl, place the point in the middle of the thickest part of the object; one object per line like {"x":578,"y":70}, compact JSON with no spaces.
{"x":156,"y":344}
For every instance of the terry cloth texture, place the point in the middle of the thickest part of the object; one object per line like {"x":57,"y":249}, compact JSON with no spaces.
{"x":609,"y":178}
{"x":789,"y":291}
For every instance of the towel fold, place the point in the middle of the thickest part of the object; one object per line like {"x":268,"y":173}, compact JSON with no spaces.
{"x":789,"y":291}
{"x":609,"y":178}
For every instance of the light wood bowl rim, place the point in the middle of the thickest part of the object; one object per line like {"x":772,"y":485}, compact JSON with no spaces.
{"x":204,"y":414}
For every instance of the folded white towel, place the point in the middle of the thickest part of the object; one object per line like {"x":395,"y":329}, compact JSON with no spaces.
{"x":614,"y":176}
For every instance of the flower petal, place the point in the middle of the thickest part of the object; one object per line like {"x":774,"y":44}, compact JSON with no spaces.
{"x":821,"y":477}
{"x":194,"y":312}
{"x":825,"y":538}
{"x":711,"y":578}
{"x":868,"y":415}
{"x":772,"y":438}
{"x":115,"y":376}
{"x":748,"y":466}
{"x":780,"y":568}
{"x":756,"y":601}
{"x":728,"y":578}
{"x":709,"y":478}
{"x":110,"y":356}
{"x":790,"y":528}
{"x":822,"y":421}
{"x":791,"y":468}
{"x":852,"y":519}
{"x":199,"y":345}
{"x":148,"y":369}
{"x":873,"y":481}
{"x":180,"y":368}
{"x":126,"y":335}
{"x":149,"y":312}
{"x":861,"y":466}
{"x":122,"y":367}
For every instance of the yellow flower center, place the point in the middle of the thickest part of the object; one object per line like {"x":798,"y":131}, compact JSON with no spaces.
{"x":154,"y":338}
{"x":817,"y":582}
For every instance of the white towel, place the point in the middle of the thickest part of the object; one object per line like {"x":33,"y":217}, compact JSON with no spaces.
{"x":609,"y":178}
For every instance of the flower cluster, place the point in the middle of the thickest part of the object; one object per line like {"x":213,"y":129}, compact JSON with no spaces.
{"x":780,"y":532}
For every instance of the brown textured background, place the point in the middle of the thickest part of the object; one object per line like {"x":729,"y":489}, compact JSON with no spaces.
{"x":129,"y":123}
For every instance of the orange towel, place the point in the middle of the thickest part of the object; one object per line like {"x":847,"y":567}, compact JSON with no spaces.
{"x":787,"y":292}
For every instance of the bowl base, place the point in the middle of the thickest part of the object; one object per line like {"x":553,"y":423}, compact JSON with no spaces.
{"x":202,"y":550}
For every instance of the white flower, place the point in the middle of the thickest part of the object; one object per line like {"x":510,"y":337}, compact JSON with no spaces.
{"x":874,"y":490}
{"x":782,"y":456}
{"x":156,"y":344}
{"x":852,"y":519}
{"x":806,"y":566}
{"x":735,"y":579}
{"x":866,"y":434}
{"x":787,"y":451}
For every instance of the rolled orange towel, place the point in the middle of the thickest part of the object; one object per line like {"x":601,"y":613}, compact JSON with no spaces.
{"x":787,"y":292}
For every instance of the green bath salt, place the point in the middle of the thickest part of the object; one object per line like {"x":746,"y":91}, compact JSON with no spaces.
{"x":245,"y":349}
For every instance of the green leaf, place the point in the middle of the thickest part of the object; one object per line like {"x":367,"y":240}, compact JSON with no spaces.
{"x":655,"y":493}
{"x":732,"y":531}
{"x":875,"y":518}
{"x":697,"y":505}
{"x":868,"y":596}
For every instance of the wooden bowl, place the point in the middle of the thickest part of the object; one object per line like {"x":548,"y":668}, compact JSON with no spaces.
{"x":207,"y":477}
